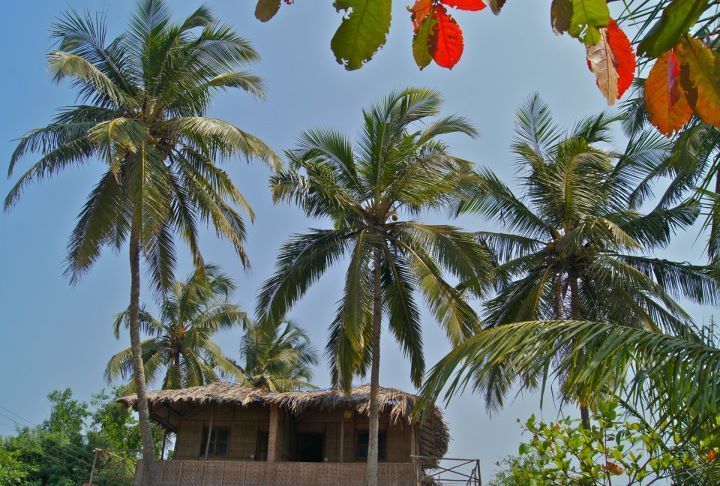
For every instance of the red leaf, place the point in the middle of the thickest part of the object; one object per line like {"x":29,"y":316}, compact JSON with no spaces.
{"x":624,"y":56}
{"x":419,"y":11}
{"x":665,"y":98}
{"x":446,"y":43}
{"x":473,"y":5}
{"x":612,"y":61}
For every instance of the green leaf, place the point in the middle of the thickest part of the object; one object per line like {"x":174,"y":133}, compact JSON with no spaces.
{"x":587,"y":16}
{"x":266,"y":9}
{"x":523,"y":449}
{"x":677,"y":19}
{"x":421,"y":42}
{"x":560,"y":15}
{"x":362,"y":32}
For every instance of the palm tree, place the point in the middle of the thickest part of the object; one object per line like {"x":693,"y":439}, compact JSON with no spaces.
{"x":676,"y":376}
{"x":277,"y":357}
{"x":143,"y":99}
{"x":180,"y":349}
{"x":398,"y":167}
{"x":573,"y":247}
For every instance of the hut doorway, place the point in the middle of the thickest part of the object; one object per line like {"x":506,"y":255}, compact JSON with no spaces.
{"x":310,"y":447}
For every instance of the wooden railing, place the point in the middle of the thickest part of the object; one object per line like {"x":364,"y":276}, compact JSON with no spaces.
{"x":225,"y":473}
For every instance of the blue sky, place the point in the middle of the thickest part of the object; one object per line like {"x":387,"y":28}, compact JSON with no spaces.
{"x":55,"y":336}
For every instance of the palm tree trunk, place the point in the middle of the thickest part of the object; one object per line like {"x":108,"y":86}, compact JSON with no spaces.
{"x":151,"y":466}
{"x":373,"y":418}
{"x":576,"y":316}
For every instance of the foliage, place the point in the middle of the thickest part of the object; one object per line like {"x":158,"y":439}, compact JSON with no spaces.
{"x":516,"y":470}
{"x":180,"y":352}
{"x":610,"y":56}
{"x":615,"y":450}
{"x":277,"y":356}
{"x":676,"y":378}
{"x":60,"y":450}
{"x":573,"y":245}
{"x":12,"y":469}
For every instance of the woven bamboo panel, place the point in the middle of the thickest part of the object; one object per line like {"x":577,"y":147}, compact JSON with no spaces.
{"x":327,"y":473}
{"x":212,"y":474}
{"x":192,"y":473}
{"x":256,"y":474}
{"x":353,"y":474}
{"x":242,"y":473}
{"x":234,"y":473}
{"x":171,"y":473}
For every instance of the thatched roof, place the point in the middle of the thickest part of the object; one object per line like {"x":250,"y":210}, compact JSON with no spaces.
{"x":434,"y":434}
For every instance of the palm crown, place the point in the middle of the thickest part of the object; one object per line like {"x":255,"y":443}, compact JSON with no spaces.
{"x":143,"y":101}
{"x":365,"y":190}
{"x":277,"y":357}
{"x":180,"y":351}
{"x":576,"y":247}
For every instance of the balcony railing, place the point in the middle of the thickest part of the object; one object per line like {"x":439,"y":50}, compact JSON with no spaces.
{"x":448,"y":471}
{"x":229,"y":472}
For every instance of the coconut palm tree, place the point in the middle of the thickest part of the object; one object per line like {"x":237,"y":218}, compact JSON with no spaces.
{"x":398,"y":168}
{"x":143,"y":98}
{"x":678,"y":376}
{"x":180,"y":351}
{"x":277,"y":356}
{"x":573,"y":247}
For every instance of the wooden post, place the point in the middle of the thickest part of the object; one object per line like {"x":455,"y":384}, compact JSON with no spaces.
{"x":92,"y":470}
{"x":273,"y":434}
{"x":414,"y":452}
{"x":342,"y":438}
{"x":209,"y":434}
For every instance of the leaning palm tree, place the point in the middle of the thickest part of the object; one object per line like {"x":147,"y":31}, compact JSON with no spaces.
{"x":678,"y":376}
{"x":573,"y":247}
{"x":143,"y":98}
{"x":180,"y":351}
{"x":277,"y":357}
{"x":398,"y":168}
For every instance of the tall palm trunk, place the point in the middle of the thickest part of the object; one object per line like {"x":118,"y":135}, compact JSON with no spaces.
{"x":575,"y":315}
{"x":151,"y":467}
{"x":373,"y":419}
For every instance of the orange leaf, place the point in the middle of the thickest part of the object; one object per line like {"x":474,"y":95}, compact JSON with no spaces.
{"x":446,"y":43}
{"x":473,"y":5}
{"x":700,"y":76}
{"x":665,"y":98}
{"x":624,"y":56}
{"x":419,"y":11}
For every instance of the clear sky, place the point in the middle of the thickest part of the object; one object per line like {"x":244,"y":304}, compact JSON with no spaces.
{"x":53,"y":335}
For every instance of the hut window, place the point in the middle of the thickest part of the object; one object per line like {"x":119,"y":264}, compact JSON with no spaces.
{"x":219,"y":440}
{"x":362,"y":445}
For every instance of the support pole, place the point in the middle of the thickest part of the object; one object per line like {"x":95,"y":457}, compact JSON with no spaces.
{"x":207,"y":441}
{"x":92,"y":470}
{"x":342,"y":438}
{"x":413,"y":452}
{"x":273,"y":434}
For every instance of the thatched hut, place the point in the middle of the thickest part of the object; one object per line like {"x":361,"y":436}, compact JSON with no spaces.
{"x":231,"y":434}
